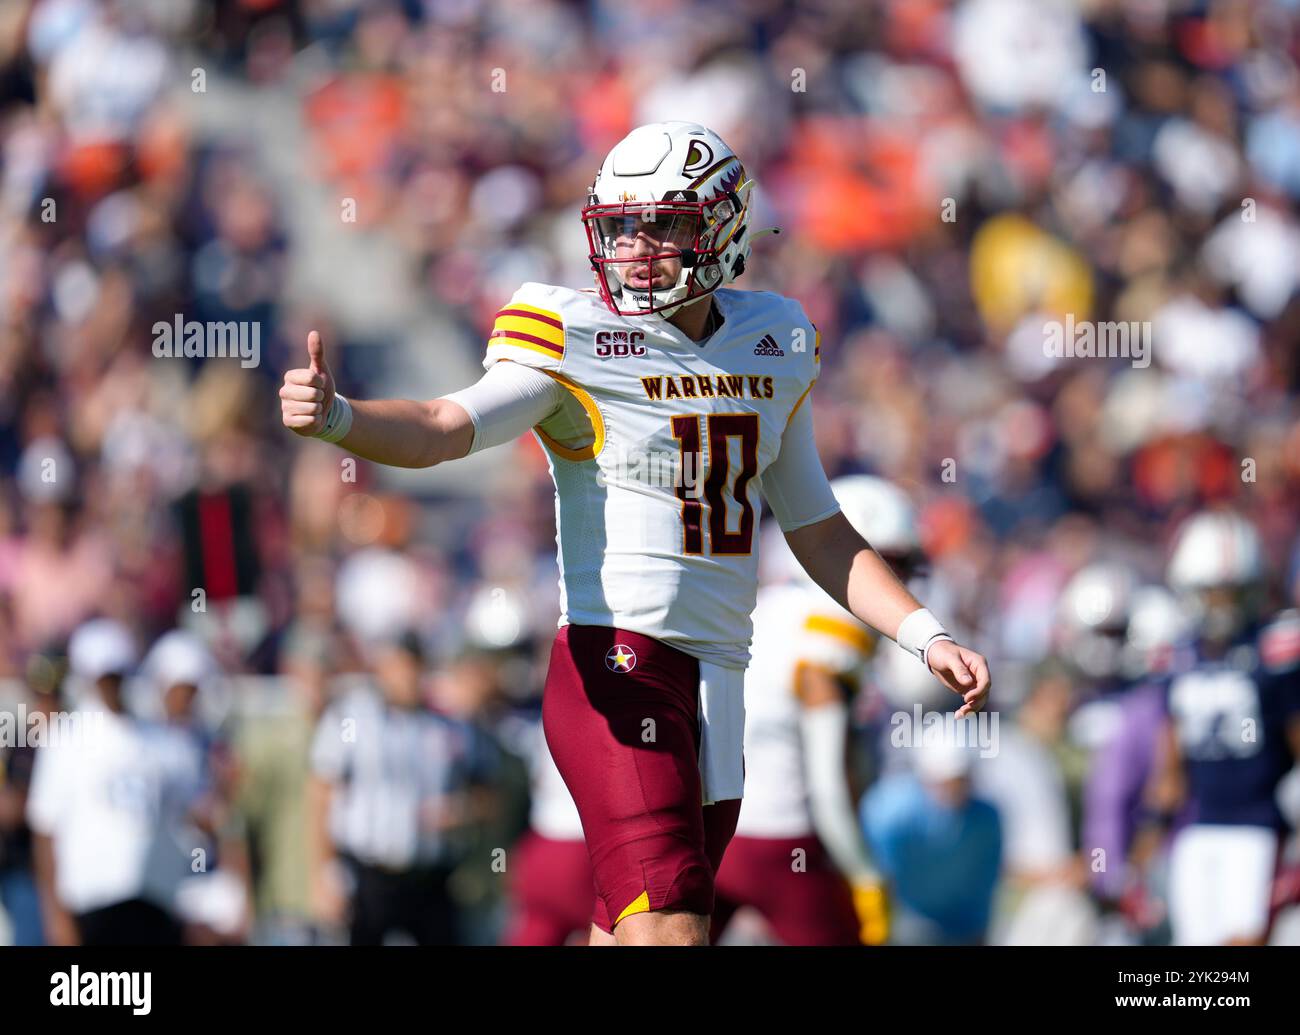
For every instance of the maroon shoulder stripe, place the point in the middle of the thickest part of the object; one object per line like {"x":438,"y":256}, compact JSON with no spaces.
{"x":532,"y":316}
{"x":505,"y":336}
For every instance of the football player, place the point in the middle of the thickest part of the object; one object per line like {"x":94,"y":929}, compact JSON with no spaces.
{"x":666,"y":402}
{"x":549,"y":885}
{"x":1124,"y":756}
{"x":1231,"y":734}
{"x":798,"y":850}
{"x":550,"y":879}
{"x":1092,"y":627}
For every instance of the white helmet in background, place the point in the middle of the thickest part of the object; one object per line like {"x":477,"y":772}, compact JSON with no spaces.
{"x":1215,"y":549}
{"x":1158,"y":622}
{"x":1216,"y":563}
{"x":943,"y":759}
{"x":881,"y":513}
{"x":499,"y":632}
{"x":885,"y":517}
{"x":682,"y":180}
{"x":496,"y":619}
{"x":181,"y":658}
{"x":1094,"y":611}
{"x":1099,"y":596}
{"x":101,"y":647}
{"x":878,"y":510}
{"x":378,"y":593}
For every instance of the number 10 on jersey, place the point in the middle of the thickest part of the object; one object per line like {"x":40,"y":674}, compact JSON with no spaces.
{"x":718,"y":483}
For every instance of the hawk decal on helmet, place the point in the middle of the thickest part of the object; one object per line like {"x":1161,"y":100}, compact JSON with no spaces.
{"x":698,"y":157}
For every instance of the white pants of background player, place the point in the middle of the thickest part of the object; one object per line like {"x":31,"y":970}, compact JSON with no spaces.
{"x":1220,"y":881}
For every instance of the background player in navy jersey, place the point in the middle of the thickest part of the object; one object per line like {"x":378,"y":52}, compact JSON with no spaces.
{"x":1231,"y":734}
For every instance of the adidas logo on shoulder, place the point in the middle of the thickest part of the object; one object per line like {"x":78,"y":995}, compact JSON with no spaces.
{"x":768,"y":347}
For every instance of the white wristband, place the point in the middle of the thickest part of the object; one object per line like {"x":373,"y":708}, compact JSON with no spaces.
{"x":338,"y":422}
{"x":918,"y":631}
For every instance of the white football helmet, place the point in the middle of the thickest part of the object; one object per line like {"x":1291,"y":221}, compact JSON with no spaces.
{"x":1158,"y":622}
{"x":101,"y":647}
{"x":670,"y":195}
{"x":1094,"y":611}
{"x":1099,"y":596}
{"x":180,"y":657}
{"x":496,"y":620}
{"x":498,"y":631}
{"x":881,"y":512}
{"x":1215,"y":549}
{"x":1217,"y":565}
{"x":98,"y":648}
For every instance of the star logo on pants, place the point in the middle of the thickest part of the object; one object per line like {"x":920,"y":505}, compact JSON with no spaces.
{"x":620,"y":658}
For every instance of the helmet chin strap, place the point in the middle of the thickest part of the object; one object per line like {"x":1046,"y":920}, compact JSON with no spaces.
{"x":671,"y":310}
{"x":644,"y":299}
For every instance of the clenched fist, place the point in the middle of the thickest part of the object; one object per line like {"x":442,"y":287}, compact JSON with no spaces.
{"x":306,"y":395}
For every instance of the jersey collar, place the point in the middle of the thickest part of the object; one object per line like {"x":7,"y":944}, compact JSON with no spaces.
{"x":671,"y":330}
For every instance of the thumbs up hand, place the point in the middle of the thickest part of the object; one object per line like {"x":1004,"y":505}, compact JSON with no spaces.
{"x":307,"y":394}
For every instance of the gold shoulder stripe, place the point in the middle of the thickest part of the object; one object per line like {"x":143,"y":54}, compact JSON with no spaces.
{"x":548,"y":315}
{"x":533,"y":326}
{"x":799,"y":403}
{"x":593,"y":414}
{"x":841,"y":629}
{"x":529,"y":327}
{"x":515,"y":341}
{"x":536,"y":339}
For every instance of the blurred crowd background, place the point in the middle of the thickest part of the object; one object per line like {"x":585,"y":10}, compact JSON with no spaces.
{"x":947,"y":177}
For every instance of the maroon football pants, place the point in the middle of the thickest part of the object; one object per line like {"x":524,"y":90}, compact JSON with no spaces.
{"x":621,"y":717}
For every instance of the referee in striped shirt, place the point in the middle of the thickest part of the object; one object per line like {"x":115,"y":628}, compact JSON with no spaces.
{"x":396,"y":789}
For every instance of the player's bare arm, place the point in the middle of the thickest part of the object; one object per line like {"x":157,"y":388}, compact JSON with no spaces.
{"x":327,"y":898}
{"x":845,"y":566}
{"x":397,"y":432}
{"x":60,"y":928}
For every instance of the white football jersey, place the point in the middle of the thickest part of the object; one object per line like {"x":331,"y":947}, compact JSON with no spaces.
{"x":659,"y":455}
{"x":114,"y":803}
{"x":795,"y":625}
